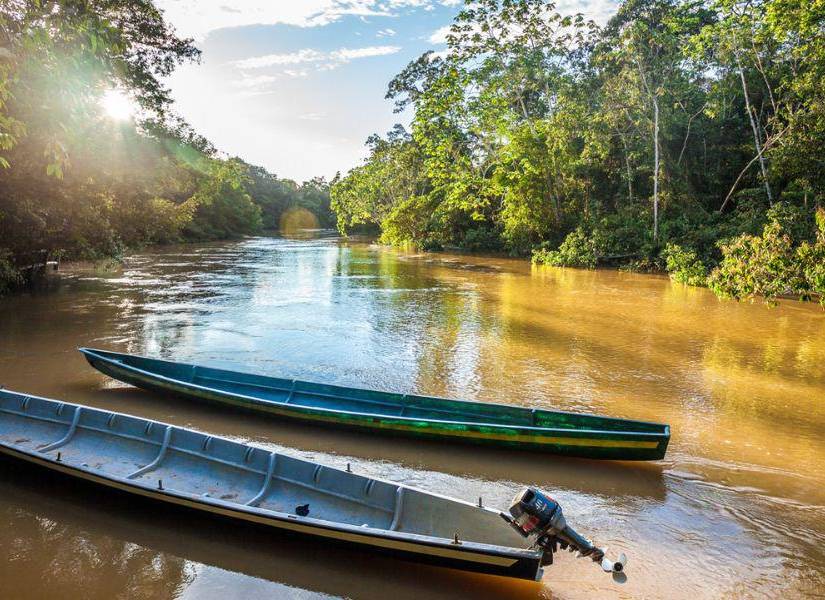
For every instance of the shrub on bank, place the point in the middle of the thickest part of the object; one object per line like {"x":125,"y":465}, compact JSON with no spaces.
{"x":10,"y":277}
{"x":771,"y":264}
{"x":785,"y":259}
{"x":646,"y":264}
{"x":410,"y":222}
{"x":684,"y":266}
{"x":482,"y":239}
{"x":812,"y":257}
{"x":577,"y":250}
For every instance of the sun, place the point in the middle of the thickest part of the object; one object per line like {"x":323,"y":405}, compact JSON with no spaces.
{"x":117,"y":105}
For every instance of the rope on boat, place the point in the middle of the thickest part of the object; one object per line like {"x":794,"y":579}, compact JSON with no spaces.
{"x":291,"y":391}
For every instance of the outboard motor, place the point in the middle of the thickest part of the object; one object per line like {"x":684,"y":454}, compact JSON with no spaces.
{"x":537,"y":515}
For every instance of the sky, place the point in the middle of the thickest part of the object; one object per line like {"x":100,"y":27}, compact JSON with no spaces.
{"x":297,"y":86}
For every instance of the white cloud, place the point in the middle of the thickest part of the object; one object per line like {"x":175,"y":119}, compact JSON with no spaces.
{"x":348,"y":54}
{"x":254,"y":82}
{"x":196,"y":18}
{"x":439,"y":36}
{"x":385,"y":32}
{"x":297,"y":65}
{"x":318,"y":116}
{"x":598,"y":10}
{"x":324,"y":60}
{"x":292,"y":58}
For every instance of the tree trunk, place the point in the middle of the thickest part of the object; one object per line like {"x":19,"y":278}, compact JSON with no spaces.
{"x":554,"y":201}
{"x":629,"y":170}
{"x":756,"y":142}
{"x":651,"y":91}
{"x":655,"y":169}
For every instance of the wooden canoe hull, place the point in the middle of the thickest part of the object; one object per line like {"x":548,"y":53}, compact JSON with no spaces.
{"x":584,"y":436}
{"x":66,"y":460}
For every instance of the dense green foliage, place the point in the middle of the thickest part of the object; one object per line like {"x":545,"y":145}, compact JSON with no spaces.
{"x":577,"y":250}
{"x":774,"y":263}
{"x":665,"y":138}
{"x":76,"y":182}
{"x":684,"y":266}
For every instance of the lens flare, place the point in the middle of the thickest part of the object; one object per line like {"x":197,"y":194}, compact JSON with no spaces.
{"x":117,"y":105}
{"x":298,"y":222}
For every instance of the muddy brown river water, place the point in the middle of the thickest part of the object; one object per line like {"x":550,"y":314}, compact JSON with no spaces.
{"x":736,"y":510}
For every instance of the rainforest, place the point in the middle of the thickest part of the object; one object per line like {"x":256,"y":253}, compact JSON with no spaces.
{"x":681,"y":136}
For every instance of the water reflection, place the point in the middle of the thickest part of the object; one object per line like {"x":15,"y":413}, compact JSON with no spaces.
{"x":737,"y":509}
{"x":123,"y":549}
{"x":53,"y":541}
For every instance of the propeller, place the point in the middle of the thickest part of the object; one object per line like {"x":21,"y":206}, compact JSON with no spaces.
{"x":616,"y":567}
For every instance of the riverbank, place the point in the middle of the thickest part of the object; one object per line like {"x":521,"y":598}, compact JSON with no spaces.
{"x":679,"y":265}
{"x":14,"y":280}
{"x":786,"y":260}
{"x":776,"y":253}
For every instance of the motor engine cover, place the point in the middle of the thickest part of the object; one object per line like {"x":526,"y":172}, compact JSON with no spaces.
{"x":536,"y":514}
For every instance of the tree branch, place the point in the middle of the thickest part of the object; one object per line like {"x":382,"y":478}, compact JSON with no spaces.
{"x":768,"y":144}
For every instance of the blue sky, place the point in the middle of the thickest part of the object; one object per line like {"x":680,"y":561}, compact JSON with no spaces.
{"x":297,"y":86}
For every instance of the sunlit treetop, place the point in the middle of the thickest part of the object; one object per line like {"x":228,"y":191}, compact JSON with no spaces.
{"x":117,"y":105}
{"x":78,"y":56}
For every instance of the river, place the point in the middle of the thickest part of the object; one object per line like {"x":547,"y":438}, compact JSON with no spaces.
{"x":736,"y":510}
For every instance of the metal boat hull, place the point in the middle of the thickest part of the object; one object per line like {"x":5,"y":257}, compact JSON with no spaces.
{"x":174,"y":466}
{"x":555,"y":432}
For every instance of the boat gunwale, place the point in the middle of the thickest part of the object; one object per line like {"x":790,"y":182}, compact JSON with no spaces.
{"x":266,"y":514}
{"x":657,"y":436}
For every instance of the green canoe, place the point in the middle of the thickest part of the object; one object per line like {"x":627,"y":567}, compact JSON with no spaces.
{"x":556,"y":432}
